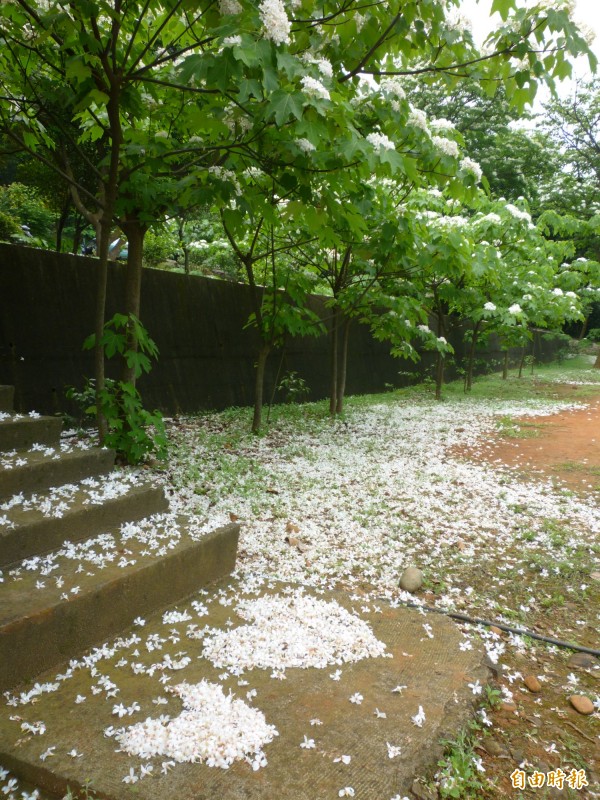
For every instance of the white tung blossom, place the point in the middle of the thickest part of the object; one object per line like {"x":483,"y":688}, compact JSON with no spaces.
{"x":472,"y":168}
{"x":323,"y":65}
{"x":490,"y":306}
{"x":393,"y":86}
{"x":305,"y":145}
{"x":418,"y":119}
{"x":314,"y":88}
{"x":515,"y":309}
{"x":446,"y":146}
{"x":294,"y":631}
{"x":517,"y":213}
{"x":231,"y":41}
{"x":227,"y":7}
{"x":275,"y":21}
{"x":380,"y":141}
{"x":441,"y":125}
{"x":213,"y":728}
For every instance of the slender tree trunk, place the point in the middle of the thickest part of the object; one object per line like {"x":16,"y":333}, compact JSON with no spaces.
{"x":61,"y":222}
{"x":135,"y":233}
{"x":101,"y":279}
{"x":343,"y":369}
{"x":505,"y":366}
{"x":471,"y":359}
{"x":79,"y":225}
{"x":597,"y":362}
{"x":186,"y":260}
{"x":334,"y":340}
{"x":259,"y":385}
{"x":439,"y":376}
{"x":440,"y":361}
{"x":522,"y":361}
{"x":584,"y":328}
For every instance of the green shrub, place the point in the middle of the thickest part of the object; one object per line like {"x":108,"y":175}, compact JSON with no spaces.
{"x":133,"y":432}
{"x":8,"y":228}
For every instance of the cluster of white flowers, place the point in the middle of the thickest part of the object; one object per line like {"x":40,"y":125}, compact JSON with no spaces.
{"x":441,"y":125}
{"x":491,"y":218}
{"x":295,"y":631}
{"x":517,"y":213}
{"x":393,"y":86}
{"x":227,"y":7}
{"x":515,"y":309}
{"x":447,"y":146}
{"x":214,"y":728}
{"x":305,"y":145}
{"x":229,"y":175}
{"x":236,"y":120}
{"x":380,"y":141}
{"x":323,"y":64}
{"x":275,"y":21}
{"x":458,"y":22}
{"x":557,"y":292}
{"x":418,"y":119}
{"x":472,"y":168}
{"x":314,"y":88}
{"x":489,"y":306}
{"x":232,"y":41}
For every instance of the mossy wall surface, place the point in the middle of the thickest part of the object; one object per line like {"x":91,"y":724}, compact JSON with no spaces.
{"x":207,"y":355}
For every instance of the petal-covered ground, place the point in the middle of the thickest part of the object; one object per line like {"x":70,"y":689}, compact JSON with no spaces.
{"x":404,"y":481}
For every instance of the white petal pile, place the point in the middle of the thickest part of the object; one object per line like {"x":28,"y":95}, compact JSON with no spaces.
{"x":293,"y":631}
{"x":214,"y":728}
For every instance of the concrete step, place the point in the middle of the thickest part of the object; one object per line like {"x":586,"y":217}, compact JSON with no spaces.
{"x":20,"y":431}
{"x":53,"y":608}
{"x":41,"y":522}
{"x":138,"y":672}
{"x":46,"y":466}
{"x":7,"y":396}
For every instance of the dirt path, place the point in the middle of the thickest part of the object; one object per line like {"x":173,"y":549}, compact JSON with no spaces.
{"x":564,"y":446}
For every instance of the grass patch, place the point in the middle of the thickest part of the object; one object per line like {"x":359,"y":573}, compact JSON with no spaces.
{"x":522,"y":430}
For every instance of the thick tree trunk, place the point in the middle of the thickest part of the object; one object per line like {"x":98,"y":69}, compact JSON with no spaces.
{"x":342,"y":370}
{"x":135,"y":233}
{"x":259,"y":386}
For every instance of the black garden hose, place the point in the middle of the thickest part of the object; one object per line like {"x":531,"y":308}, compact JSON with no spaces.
{"x":520,"y":631}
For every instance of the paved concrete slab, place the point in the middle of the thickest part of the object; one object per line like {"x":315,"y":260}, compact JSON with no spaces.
{"x":429,"y":663}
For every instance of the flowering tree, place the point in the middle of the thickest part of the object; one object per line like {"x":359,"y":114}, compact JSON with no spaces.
{"x":176,"y":99}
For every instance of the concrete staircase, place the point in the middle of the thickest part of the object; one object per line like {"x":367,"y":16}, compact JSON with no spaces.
{"x":85,"y":548}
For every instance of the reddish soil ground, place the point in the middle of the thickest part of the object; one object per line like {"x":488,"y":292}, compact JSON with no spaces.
{"x":564,"y":446}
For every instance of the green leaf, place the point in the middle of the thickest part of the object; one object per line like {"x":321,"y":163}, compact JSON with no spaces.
{"x":289,"y":64}
{"x":502,"y":7}
{"x":283,"y":105}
